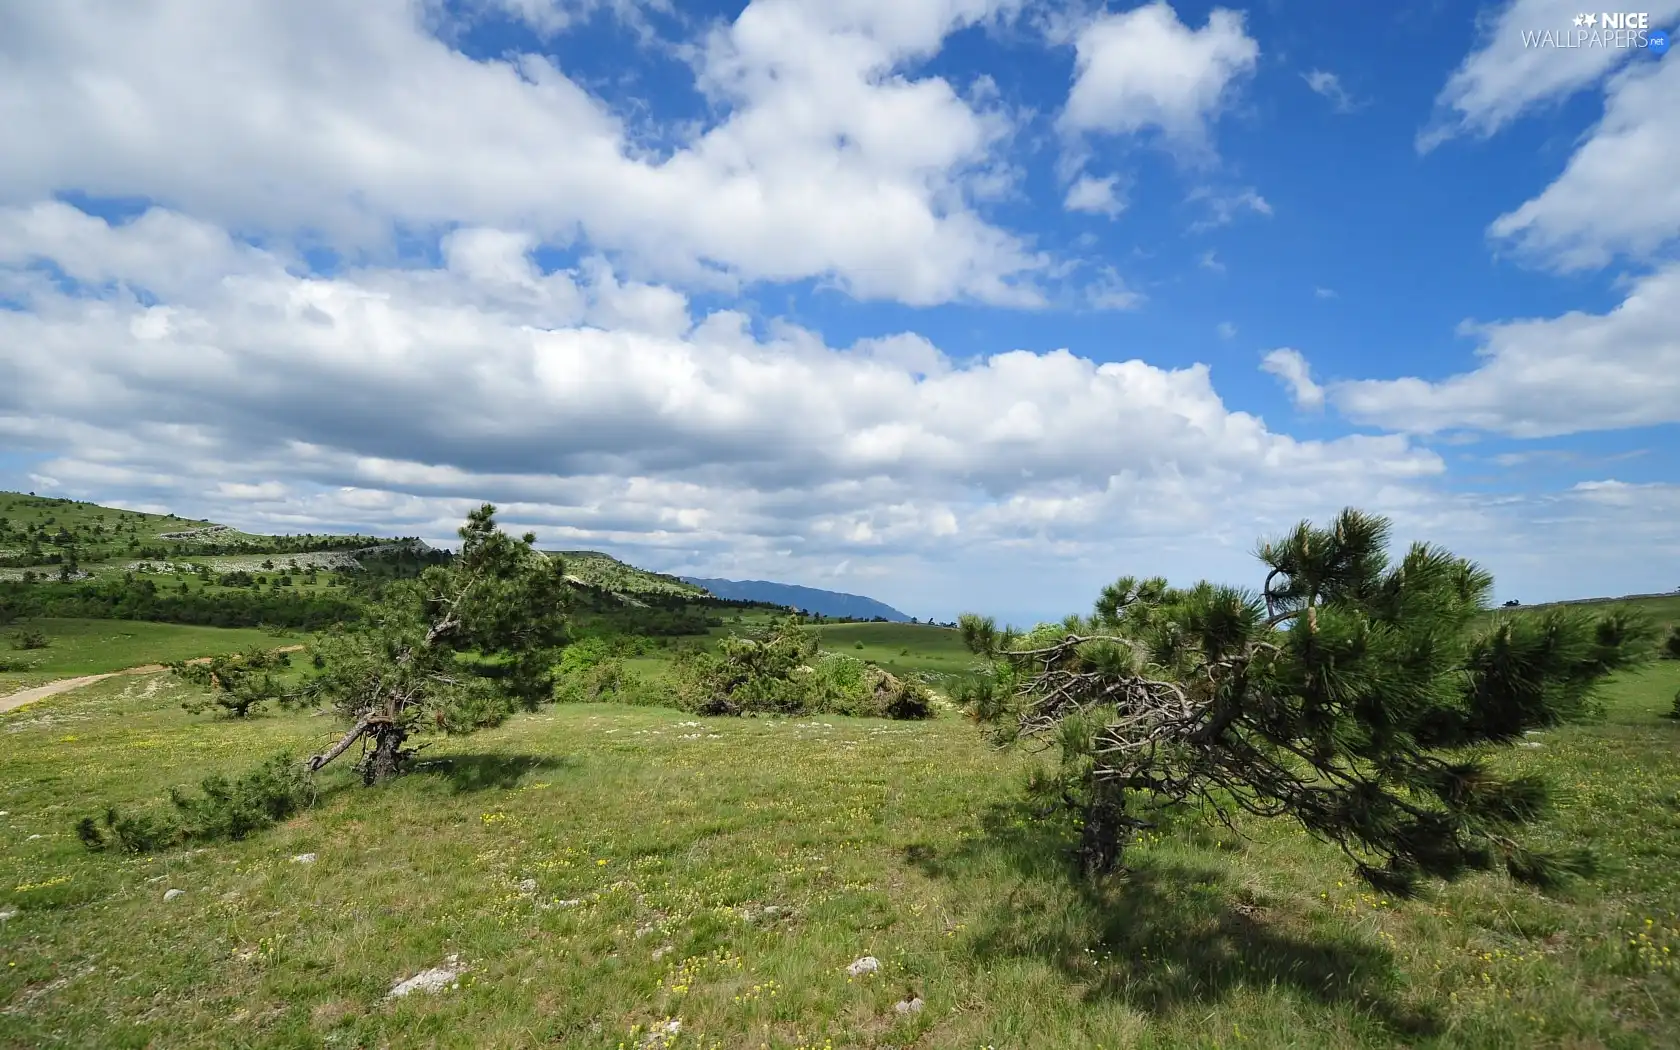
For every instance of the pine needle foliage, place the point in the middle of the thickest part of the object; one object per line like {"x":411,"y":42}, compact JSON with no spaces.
{"x":237,"y":684}
{"x":1355,"y":694}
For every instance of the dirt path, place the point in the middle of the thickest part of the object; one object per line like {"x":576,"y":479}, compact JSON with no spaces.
{"x":64,"y":685}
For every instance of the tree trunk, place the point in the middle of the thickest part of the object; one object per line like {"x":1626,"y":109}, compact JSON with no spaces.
{"x":1106,"y":828}
{"x":386,"y":760}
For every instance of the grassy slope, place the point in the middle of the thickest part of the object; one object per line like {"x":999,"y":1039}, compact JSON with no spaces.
{"x":82,"y":647}
{"x":886,"y":839}
{"x":607,"y":572}
{"x":936,"y":649}
{"x":108,"y":552}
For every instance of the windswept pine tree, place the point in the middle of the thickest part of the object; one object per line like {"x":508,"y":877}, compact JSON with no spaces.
{"x":1356,"y":695}
{"x":459,"y":648}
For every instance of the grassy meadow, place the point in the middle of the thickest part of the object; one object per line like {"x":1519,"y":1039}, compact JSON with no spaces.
{"x":602,"y":871}
{"x":78,"y":647}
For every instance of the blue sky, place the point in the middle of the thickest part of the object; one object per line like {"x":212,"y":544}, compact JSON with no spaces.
{"x":957,"y":303}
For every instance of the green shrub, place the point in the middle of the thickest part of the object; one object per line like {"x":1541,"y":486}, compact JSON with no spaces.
{"x":224,"y":809}
{"x":30,"y":638}
{"x":783,"y":672}
{"x":1671,"y":644}
{"x":237,"y":684}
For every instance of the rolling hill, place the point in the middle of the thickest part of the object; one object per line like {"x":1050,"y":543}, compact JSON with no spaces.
{"x":609,"y":574}
{"x":811,"y":599}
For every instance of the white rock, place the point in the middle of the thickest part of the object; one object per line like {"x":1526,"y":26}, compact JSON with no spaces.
{"x":434,"y":980}
{"x":662,"y":951}
{"x":8,"y":913}
{"x":1530,"y":743}
{"x":910,"y":1006}
{"x":32,"y":838}
{"x":867,"y":964}
{"x":304,"y":858}
{"x":170,"y":895}
{"x":527,"y":885}
{"x":662,"y":1033}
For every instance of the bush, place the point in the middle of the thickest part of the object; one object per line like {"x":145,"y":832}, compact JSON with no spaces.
{"x":1674,"y":709}
{"x":237,"y":684}
{"x":1671,"y":644}
{"x":593,"y":670}
{"x":783,"y":672}
{"x":30,"y":639}
{"x":224,"y":809}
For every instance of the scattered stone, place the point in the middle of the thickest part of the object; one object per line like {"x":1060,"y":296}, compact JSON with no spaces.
{"x":662,"y":1034}
{"x":527,"y":885}
{"x":643,"y":931}
{"x":662,"y":951}
{"x":867,"y":964}
{"x":910,"y":1006}
{"x":8,"y":913}
{"x":1530,"y":743}
{"x":304,"y":858}
{"x":32,"y":838}
{"x":170,"y":895}
{"x":434,"y":980}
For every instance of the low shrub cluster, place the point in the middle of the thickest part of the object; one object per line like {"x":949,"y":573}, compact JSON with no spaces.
{"x":784,"y":672}
{"x":592,"y":669}
{"x":223,"y":809}
{"x":1671,"y":644}
{"x":237,"y":684}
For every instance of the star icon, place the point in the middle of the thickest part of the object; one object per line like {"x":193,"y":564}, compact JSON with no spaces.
{"x":1580,"y":20}
{"x":1592,"y":20}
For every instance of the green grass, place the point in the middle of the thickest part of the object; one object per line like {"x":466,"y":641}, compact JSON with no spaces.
{"x":83,"y":647}
{"x":930,"y":649}
{"x":901,"y":841}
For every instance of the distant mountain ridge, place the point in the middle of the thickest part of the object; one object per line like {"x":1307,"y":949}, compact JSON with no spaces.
{"x":811,"y":599}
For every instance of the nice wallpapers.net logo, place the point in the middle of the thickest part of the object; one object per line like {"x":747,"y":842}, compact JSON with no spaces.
{"x":1628,"y":30}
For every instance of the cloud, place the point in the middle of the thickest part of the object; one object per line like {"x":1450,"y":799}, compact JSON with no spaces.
{"x":550,"y":18}
{"x":825,"y":159}
{"x":1543,"y":377}
{"x":1619,"y":194}
{"x":1144,"y":69}
{"x":1330,"y":86}
{"x":1289,"y":366}
{"x":1324,"y":293}
{"x":1094,"y":195}
{"x":1111,"y":292}
{"x":1209,"y":261}
{"x":1224,"y":207}
{"x":1226,"y":330}
{"x":602,"y":412}
{"x":1503,"y":78}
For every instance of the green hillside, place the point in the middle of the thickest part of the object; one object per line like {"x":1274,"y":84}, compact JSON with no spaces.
{"x":43,"y":535}
{"x":609,"y":574}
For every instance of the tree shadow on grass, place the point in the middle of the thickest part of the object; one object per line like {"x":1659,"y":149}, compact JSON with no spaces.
{"x":484,"y":772}
{"x":1164,"y":936}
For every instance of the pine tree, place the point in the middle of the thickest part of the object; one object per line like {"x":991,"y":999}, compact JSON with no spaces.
{"x":1357,"y":696}
{"x":459,"y":648}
